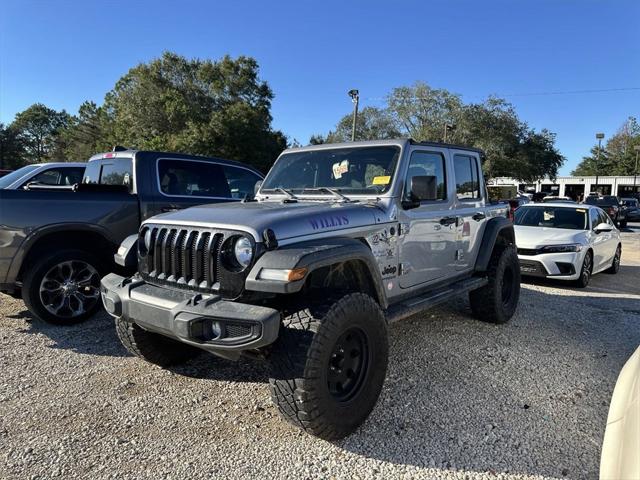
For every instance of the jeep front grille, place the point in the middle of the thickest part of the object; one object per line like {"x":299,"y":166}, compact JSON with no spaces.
{"x":181,"y":257}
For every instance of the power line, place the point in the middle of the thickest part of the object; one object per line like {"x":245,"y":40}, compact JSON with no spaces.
{"x":529,"y":94}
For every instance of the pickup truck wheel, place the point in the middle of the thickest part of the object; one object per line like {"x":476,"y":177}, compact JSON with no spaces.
{"x":497,"y":301}
{"x":63,"y":287}
{"x":153,"y":347}
{"x":329,"y":365}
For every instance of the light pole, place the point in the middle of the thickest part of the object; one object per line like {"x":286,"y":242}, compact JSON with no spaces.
{"x":599,"y":136}
{"x":635,"y":170}
{"x":448,"y":127}
{"x":355,"y":98}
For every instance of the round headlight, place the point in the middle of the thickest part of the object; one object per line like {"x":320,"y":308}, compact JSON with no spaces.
{"x":147,"y":239}
{"x":243,"y":251}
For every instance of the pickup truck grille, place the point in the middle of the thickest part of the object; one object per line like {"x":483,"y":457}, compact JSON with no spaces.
{"x":181,"y":257}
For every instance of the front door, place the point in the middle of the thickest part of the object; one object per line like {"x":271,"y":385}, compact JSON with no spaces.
{"x":428,"y":232}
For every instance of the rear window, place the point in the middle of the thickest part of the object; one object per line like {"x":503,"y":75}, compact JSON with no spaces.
{"x":188,"y":178}
{"x":115,"y":171}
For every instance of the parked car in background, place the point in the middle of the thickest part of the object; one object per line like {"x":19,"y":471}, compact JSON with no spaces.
{"x":556,"y":199}
{"x":54,"y":173}
{"x":57,"y":241}
{"x":633,"y":209}
{"x":620,"y":459}
{"x":610,"y":204}
{"x":566,"y":242}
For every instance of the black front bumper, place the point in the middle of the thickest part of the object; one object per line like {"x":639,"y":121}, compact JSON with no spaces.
{"x":208,"y":322}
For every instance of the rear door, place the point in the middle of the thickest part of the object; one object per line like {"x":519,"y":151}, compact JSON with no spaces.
{"x":469,"y":206}
{"x":428,"y":232}
{"x":183,"y":183}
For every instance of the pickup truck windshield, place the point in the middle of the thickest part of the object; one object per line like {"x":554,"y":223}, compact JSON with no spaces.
{"x":552,"y":217}
{"x":13,"y":176}
{"x":356,"y":170}
{"x":113,"y":171}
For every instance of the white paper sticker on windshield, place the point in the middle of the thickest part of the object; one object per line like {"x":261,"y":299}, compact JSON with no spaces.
{"x":340,"y":168}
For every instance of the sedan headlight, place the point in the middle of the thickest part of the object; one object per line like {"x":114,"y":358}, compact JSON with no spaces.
{"x":243,"y":251}
{"x":575,"y":247}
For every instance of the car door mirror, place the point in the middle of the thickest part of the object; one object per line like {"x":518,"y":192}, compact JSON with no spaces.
{"x":257,"y":186}
{"x":424,"y":187}
{"x":603,"y":227}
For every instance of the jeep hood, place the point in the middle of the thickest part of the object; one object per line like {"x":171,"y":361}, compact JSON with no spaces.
{"x":287,"y":220}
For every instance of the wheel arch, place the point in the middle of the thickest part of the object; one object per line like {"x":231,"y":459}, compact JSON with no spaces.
{"x":351,"y":258}
{"x":81,"y":237}
{"x":498,"y":233}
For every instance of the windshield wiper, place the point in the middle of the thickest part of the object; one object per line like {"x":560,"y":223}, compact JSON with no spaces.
{"x":332,"y":191}
{"x":289,"y":195}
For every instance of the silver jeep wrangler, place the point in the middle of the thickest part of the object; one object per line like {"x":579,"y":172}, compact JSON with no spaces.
{"x":339,"y":241}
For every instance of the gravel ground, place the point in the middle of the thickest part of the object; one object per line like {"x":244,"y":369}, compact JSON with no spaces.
{"x":462,"y":399}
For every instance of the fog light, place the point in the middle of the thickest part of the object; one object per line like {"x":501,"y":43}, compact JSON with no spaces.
{"x":216,"y":330}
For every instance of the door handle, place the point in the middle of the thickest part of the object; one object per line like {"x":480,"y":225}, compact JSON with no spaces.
{"x":479,"y":216}
{"x":448,"y":220}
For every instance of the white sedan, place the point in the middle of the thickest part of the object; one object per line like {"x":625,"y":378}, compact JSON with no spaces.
{"x":565,"y":241}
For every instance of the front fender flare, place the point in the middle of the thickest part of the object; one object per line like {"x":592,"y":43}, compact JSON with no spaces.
{"x":496,"y":227}
{"x":313,"y":255}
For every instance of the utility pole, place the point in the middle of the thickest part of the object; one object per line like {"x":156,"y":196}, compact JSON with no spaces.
{"x":599,"y":136}
{"x":355,"y":98}
{"x":635,"y":171}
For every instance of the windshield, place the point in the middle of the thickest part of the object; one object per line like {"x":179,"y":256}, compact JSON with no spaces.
{"x":355,"y":170}
{"x":553,"y":217}
{"x":13,"y":176}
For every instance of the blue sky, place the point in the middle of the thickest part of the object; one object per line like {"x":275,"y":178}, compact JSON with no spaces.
{"x":311,"y":53}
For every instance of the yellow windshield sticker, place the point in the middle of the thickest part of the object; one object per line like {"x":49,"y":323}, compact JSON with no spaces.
{"x":384,"y":180}
{"x":581,"y":210}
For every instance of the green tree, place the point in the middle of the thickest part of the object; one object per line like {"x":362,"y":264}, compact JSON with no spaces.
{"x":87,"y":133}
{"x":198,"y":106}
{"x":422,"y":113}
{"x":618,"y":155}
{"x":372,"y":124}
{"x":11,"y":148}
{"x":40,"y":128}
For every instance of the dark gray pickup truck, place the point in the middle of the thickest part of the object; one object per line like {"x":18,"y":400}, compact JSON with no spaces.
{"x":57,"y":242}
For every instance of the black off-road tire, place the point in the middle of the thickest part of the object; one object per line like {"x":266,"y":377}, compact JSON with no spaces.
{"x":306,"y":361}
{"x":615,"y":265}
{"x":585,"y":271}
{"x":152,"y":347}
{"x":497,"y":301}
{"x":35,"y":272}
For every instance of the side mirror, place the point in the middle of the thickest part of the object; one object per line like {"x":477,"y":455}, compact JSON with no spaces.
{"x":603,"y":227}
{"x":424,"y":187}
{"x":257,"y":186}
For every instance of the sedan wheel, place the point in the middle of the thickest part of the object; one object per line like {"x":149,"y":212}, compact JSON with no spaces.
{"x":615,"y":265}
{"x":585,"y":271}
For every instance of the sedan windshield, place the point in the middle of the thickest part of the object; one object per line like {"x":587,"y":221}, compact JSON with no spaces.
{"x":353,"y":170}
{"x":552,"y":217}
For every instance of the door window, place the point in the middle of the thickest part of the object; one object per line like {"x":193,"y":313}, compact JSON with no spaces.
{"x":241,"y":181}
{"x":204,"y":179}
{"x":467,"y":177}
{"x":427,"y":163}
{"x":595,"y":218}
